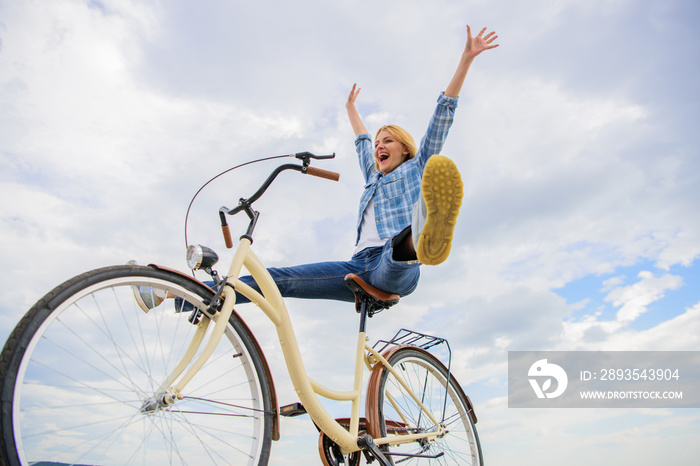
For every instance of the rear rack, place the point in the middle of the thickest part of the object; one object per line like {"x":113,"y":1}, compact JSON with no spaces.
{"x":409,"y":337}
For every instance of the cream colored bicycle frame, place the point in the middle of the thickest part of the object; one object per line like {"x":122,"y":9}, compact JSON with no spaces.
{"x":272,"y":304}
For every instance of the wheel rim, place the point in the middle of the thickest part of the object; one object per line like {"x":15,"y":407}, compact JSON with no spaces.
{"x":399,"y":414}
{"x":86,"y":379}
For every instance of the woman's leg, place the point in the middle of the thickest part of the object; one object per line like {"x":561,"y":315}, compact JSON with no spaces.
{"x":322,"y":280}
{"x":403,"y":249}
{"x":392,"y":275}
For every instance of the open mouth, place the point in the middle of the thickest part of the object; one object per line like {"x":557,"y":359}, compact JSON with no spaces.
{"x":382,"y":157}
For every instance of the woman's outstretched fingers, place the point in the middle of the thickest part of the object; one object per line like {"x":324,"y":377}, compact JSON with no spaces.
{"x":354,"y":92}
{"x":476,"y":45}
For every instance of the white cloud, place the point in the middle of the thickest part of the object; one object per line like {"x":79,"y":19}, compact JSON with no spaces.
{"x":593,"y":333}
{"x":612,"y":283}
{"x":570,"y":436}
{"x":633,"y":300}
{"x":677,"y":334}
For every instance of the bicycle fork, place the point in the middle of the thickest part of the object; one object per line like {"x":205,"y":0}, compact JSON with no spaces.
{"x":170,"y":391}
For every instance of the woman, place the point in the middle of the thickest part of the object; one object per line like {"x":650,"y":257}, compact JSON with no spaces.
{"x":411,"y":197}
{"x":407,"y":210}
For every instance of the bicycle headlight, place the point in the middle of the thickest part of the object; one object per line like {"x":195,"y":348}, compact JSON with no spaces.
{"x":201,"y":257}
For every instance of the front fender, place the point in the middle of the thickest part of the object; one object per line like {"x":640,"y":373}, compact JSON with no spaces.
{"x":266,"y":367}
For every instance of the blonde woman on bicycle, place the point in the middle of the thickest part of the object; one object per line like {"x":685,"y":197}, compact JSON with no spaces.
{"x":407,"y":211}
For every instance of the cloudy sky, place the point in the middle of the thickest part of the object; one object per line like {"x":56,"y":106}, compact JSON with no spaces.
{"x":576,"y":138}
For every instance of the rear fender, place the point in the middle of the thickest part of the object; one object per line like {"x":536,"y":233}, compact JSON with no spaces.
{"x":371,"y":404}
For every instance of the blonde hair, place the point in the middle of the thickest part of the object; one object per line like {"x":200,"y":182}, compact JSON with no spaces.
{"x":402,"y":136}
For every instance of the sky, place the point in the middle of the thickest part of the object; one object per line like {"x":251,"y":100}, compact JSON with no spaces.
{"x":576,"y":139}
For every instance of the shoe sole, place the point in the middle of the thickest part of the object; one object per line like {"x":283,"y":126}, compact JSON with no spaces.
{"x":442,"y":191}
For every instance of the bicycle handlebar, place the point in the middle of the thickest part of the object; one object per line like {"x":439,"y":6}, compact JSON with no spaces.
{"x":227,"y":236}
{"x":329,"y":175}
{"x":245,"y":204}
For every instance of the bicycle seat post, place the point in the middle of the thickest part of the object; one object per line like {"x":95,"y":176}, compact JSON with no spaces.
{"x":363,"y":313}
{"x":368,"y":299}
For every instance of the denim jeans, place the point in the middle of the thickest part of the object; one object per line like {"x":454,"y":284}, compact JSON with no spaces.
{"x":325,"y":280}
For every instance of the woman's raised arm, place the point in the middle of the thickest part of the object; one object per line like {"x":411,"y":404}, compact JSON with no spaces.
{"x":474,"y":46}
{"x":357,"y":126}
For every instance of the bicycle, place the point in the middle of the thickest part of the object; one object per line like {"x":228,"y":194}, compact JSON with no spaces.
{"x":88,"y":377}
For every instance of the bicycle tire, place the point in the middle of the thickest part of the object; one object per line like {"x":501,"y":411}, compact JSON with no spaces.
{"x":426,"y":376}
{"x":80,"y":366}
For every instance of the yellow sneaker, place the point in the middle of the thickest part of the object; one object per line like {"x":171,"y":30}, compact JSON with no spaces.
{"x":435,"y":214}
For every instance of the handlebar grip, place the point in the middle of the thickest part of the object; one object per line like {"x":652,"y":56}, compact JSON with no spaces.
{"x":329,"y":175}
{"x":227,"y":236}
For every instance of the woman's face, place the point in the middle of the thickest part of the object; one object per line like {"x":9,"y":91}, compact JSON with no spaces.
{"x":388,"y":152}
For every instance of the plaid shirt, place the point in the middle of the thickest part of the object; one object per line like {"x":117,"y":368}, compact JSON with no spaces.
{"x":395,"y":194}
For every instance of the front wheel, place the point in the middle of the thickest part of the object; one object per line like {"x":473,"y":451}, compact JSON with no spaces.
{"x":396,"y":413}
{"x":81,"y":378}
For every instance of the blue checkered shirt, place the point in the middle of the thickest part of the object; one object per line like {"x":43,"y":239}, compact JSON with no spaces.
{"x":395,"y":194}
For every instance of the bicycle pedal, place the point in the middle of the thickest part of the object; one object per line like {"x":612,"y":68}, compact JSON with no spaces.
{"x":293,"y":410}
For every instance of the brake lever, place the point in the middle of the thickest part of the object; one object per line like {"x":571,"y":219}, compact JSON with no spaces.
{"x":305,"y":156}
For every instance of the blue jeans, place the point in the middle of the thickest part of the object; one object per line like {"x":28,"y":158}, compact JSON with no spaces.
{"x":325,"y":280}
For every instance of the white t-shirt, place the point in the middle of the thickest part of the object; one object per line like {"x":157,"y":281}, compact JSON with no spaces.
{"x":369,"y":235}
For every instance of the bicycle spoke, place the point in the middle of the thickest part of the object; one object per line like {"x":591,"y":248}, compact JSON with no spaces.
{"x":228,"y":443}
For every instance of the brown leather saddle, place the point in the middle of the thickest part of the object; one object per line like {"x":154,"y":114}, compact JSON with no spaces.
{"x":375,"y":299}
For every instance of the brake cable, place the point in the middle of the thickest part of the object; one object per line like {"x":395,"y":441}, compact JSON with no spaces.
{"x":189,"y":207}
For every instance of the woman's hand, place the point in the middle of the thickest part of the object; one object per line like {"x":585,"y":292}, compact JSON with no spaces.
{"x":476,"y":45}
{"x":357,"y":126}
{"x":354,"y":92}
